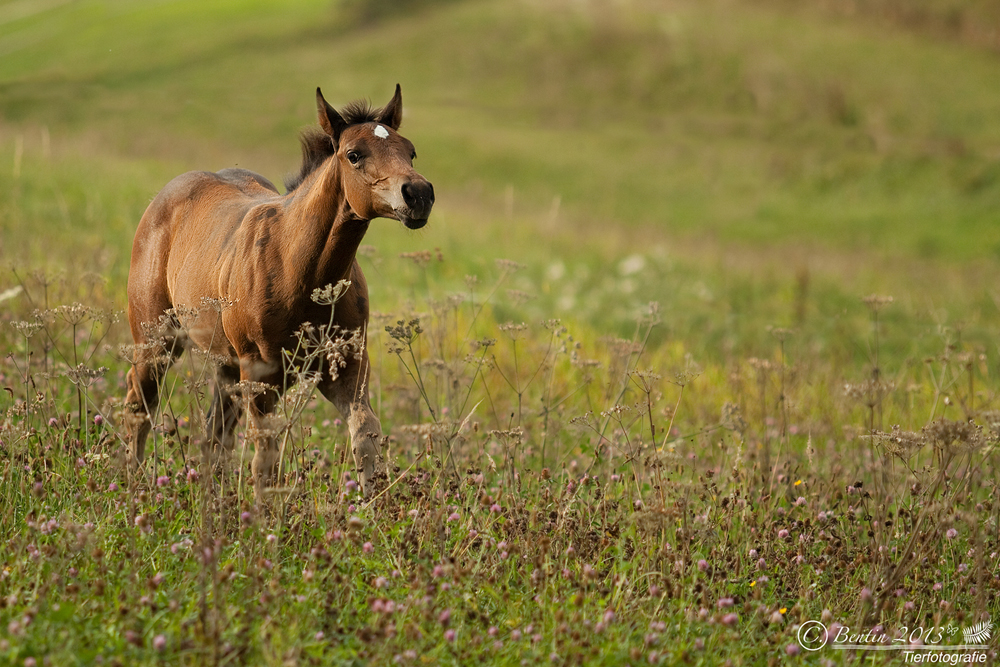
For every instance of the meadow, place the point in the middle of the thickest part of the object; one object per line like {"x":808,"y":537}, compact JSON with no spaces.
{"x":697,"y":350}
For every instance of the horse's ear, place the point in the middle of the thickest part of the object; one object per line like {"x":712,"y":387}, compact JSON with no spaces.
{"x":331,"y":121}
{"x":392,"y":113}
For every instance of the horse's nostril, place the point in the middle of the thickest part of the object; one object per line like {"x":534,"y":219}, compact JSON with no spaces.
{"x":418,"y":194}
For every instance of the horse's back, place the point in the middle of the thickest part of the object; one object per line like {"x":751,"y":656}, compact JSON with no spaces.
{"x":250,"y":183}
{"x":196,"y":190}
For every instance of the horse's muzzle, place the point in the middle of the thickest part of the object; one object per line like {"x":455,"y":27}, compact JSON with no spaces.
{"x":418,"y":195}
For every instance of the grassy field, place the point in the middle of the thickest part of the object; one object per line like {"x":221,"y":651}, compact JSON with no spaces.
{"x":707,"y":347}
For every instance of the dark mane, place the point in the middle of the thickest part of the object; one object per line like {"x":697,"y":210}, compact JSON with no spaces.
{"x":360,"y":111}
{"x":316,"y":148}
{"x":317,"y":145}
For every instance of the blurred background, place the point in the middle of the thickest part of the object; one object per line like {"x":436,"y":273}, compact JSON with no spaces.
{"x":718,"y":156}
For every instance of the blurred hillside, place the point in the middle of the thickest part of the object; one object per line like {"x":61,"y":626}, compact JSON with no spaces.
{"x":846,"y":125}
{"x":974,"y":22}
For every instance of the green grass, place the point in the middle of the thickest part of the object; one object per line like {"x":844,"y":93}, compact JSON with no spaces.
{"x":511,"y":522}
{"x":753,"y":170}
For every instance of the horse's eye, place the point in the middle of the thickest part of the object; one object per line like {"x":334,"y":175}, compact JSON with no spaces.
{"x":353,"y":157}
{"x":413,"y":155}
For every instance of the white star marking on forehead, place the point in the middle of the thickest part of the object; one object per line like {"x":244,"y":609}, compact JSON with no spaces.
{"x":381,"y":132}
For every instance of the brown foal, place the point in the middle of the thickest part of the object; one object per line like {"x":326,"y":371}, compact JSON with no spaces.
{"x":231,"y":240}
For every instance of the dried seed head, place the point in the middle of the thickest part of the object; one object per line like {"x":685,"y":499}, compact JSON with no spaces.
{"x":329,"y":295}
{"x":83,"y":376}
{"x":513,"y":330}
{"x":27,"y":329}
{"x":508,"y":265}
{"x":876,"y":302}
{"x":421,"y":258}
{"x":217,"y":304}
{"x":518,"y":297}
{"x":732,"y":417}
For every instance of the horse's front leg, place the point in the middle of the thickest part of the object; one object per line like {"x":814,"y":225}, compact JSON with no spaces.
{"x":349,"y":392}
{"x":264,"y":465}
{"x":266,"y":455}
{"x":366,"y":444}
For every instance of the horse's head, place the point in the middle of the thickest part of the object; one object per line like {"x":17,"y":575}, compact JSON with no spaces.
{"x":376,"y":162}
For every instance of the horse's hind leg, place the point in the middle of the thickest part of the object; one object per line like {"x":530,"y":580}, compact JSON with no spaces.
{"x":143,"y":381}
{"x":266,"y":374}
{"x":143,"y":395}
{"x":266,"y":455}
{"x":225,"y":410}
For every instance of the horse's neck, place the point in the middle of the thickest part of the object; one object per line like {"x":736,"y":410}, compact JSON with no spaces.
{"x":325,"y":233}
